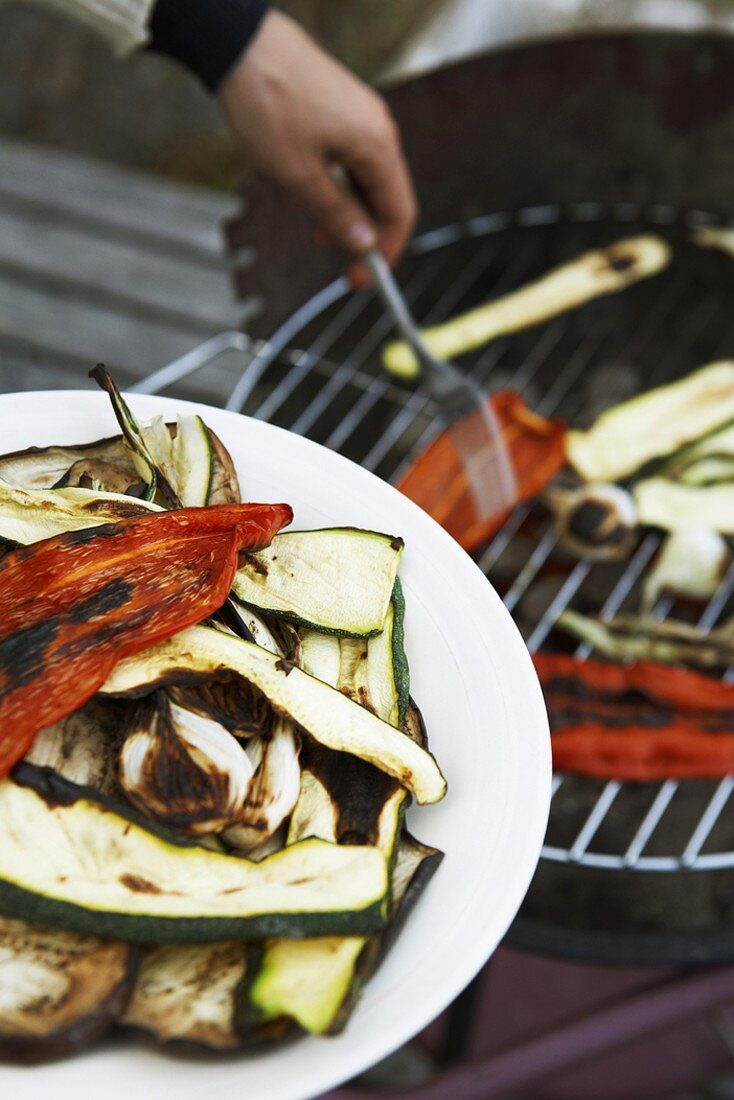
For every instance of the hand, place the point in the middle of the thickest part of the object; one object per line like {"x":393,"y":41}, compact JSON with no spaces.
{"x":300,"y":115}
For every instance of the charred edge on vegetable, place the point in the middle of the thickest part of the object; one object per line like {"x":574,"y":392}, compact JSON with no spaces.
{"x":231,"y":701}
{"x":358,"y":791}
{"x":36,"y":1050}
{"x":129,"y":426}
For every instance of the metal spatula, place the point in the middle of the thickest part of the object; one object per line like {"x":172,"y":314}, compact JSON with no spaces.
{"x":463,"y":408}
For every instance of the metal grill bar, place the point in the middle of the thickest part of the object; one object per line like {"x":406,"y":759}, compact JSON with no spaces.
{"x":557,"y":358}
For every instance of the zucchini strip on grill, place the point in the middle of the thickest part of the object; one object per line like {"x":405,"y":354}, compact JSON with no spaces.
{"x":104,"y":873}
{"x":338,"y":580}
{"x":327,"y":715}
{"x":602,"y":271}
{"x":671,"y":505}
{"x":654,"y":424}
{"x":58,"y":990}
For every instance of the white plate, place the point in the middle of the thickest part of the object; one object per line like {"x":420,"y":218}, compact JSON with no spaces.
{"x":474,"y":681}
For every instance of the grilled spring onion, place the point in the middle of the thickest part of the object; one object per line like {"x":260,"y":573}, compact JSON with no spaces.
{"x":327,"y":715}
{"x":692,"y":563}
{"x":178,"y":465}
{"x":104,"y":873}
{"x":635,"y":637}
{"x":58,"y":990}
{"x":338,"y":580}
{"x":603,"y":271}
{"x":672,"y":506}
{"x":654,"y":424}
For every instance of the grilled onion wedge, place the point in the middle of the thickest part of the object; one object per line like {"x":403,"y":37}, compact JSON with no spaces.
{"x":103,"y":872}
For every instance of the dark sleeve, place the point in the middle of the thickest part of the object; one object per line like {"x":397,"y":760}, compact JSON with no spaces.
{"x":207,"y":36}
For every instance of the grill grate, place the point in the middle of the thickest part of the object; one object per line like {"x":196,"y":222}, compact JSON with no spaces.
{"x":333,"y":390}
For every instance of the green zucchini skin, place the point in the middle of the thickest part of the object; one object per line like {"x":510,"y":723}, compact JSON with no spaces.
{"x":137,"y":926}
{"x":401,"y":669}
{"x":272,"y":581}
{"x":88,"y":986}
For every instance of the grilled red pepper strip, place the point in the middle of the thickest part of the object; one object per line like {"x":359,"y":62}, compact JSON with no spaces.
{"x":643,"y":721}
{"x":73,"y":605}
{"x":437,"y":479}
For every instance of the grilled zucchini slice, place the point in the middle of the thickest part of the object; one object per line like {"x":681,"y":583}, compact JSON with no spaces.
{"x":338,"y":580}
{"x":327,"y":715}
{"x":77,"y":862}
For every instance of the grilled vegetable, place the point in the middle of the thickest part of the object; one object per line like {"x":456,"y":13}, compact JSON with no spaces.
{"x":672,"y":505}
{"x":71,"y":606}
{"x":692,"y":563}
{"x":654,"y":424}
{"x":325,"y":714}
{"x":711,"y":236}
{"x":596,"y":522}
{"x":106,"y":874}
{"x":644,"y":721}
{"x":336,"y":580}
{"x":345,"y":801}
{"x":635,"y":637}
{"x":58,"y":990}
{"x":188,"y":994}
{"x":182,"y":768}
{"x":140,"y":453}
{"x":85,"y":747}
{"x":371,"y":671}
{"x":29,"y":515}
{"x":708,"y":461}
{"x":437,"y":480}
{"x":603,"y":271}
{"x":184,"y":463}
{"x":106,"y":461}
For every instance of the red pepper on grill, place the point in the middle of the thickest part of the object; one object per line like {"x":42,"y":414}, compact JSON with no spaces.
{"x":437,"y":479}
{"x":642,"y":721}
{"x":73,"y":605}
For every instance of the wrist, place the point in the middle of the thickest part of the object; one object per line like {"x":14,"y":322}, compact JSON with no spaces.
{"x":206,"y":36}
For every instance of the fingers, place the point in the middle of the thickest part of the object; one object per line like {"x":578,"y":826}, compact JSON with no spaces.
{"x":336,"y":213}
{"x":377,"y":166}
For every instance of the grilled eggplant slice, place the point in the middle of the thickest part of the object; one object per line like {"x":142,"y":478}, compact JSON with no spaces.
{"x":338,"y":580}
{"x":105,"y":873}
{"x":187,"y":994}
{"x":50,"y":467}
{"x":324,"y":713}
{"x":654,"y":424}
{"x":58,"y":990}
